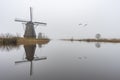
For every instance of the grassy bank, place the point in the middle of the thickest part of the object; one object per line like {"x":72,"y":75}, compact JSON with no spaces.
{"x":22,"y":41}
{"x":95,"y":40}
{"x":8,"y":41}
{"x":27,"y":41}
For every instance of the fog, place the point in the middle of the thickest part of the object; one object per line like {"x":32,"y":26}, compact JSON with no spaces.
{"x":63,"y":17}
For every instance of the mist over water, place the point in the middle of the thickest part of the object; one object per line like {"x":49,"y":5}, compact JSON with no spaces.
{"x":61,"y":60}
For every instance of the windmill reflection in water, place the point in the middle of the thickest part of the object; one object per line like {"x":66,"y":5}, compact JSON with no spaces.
{"x":30,"y":56}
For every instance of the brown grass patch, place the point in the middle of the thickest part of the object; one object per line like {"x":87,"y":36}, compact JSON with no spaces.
{"x":28,"y":41}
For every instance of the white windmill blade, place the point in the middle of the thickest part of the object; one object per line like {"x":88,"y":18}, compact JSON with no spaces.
{"x":20,"y":20}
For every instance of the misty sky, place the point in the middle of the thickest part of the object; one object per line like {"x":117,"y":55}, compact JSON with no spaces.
{"x":63,"y":17}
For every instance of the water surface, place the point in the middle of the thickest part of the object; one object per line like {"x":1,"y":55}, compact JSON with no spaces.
{"x":61,"y":60}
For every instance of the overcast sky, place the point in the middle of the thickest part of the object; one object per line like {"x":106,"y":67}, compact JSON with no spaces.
{"x":63,"y":17}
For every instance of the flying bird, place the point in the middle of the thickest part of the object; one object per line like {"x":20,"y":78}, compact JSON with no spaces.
{"x":80,"y":24}
{"x":84,"y":25}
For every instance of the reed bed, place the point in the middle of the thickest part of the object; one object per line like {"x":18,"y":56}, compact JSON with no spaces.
{"x":8,"y":41}
{"x":22,"y":41}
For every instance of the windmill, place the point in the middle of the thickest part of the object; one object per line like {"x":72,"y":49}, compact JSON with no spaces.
{"x":29,"y":29}
{"x":30,"y":52}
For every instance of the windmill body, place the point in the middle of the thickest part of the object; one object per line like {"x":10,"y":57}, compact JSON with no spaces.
{"x":29,"y":29}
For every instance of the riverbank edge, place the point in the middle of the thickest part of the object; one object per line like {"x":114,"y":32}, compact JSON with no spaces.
{"x":22,"y":41}
{"x":95,"y":40}
{"x":29,"y":41}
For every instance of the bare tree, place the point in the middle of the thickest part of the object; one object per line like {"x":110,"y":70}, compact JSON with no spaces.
{"x":98,"y":36}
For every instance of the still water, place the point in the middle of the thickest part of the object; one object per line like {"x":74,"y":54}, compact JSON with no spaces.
{"x":61,"y":60}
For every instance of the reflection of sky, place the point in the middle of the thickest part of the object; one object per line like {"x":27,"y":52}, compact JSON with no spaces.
{"x":63,"y":17}
{"x":63,"y":62}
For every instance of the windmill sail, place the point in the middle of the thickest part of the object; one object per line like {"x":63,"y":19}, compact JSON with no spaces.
{"x":40,"y":23}
{"x":19,"y":20}
{"x":29,"y":30}
{"x":31,"y":14}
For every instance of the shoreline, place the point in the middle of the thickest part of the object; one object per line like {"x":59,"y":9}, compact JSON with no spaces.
{"x":30,"y":41}
{"x":94,"y":40}
{"x":22,"y":41}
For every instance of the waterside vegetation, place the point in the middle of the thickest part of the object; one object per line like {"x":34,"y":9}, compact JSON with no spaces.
{"x":30,"y":41}
{"x":95,"y":40}
{"x":8,"y":39}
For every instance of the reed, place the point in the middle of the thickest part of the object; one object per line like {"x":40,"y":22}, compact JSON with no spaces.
{"x":8,"y":41}
{"x":27,"y":41}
